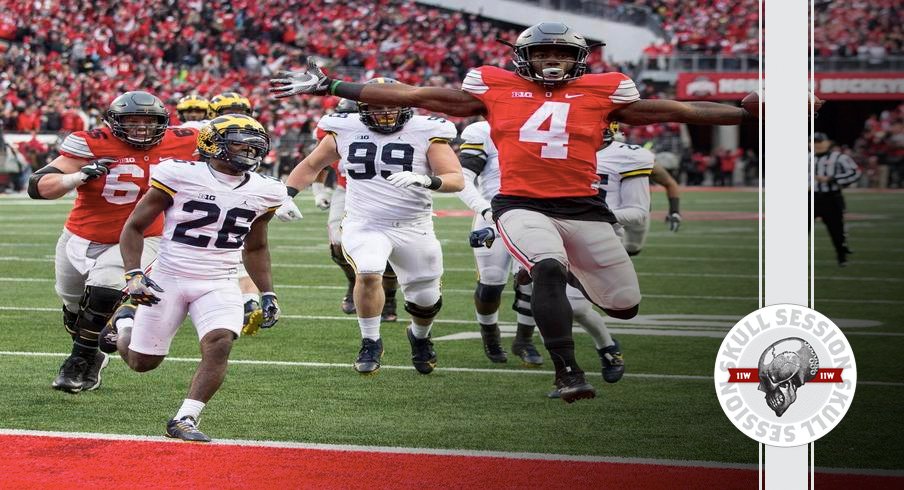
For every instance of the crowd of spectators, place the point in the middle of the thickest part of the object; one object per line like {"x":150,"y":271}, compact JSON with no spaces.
{"x":879,"y":150}
{"x":865,"y":29}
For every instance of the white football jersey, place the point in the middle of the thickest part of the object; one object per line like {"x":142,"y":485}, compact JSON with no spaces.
{"x":204,"y":230}
{"x":620,"y":161}
{"x":476,"y":138}
{"x":368,"y":157}
{"x":194,"y":124}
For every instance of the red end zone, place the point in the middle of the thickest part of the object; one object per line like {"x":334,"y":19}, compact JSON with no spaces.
{"x":75,"y":462}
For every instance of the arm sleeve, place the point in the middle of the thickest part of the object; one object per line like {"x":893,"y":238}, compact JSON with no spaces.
{"x":846,"y":171}
{"x":635,"y":202}
{"x":470,"y":195}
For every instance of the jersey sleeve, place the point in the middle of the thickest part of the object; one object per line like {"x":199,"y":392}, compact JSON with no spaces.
{"x":441,"y":131}
{"x":474,"y":83}
{"x":474,"y":139}
{"x":276,"y":194}
{"x":164,"y":176}
{"x":635,"y":202}
{"x":333,"y":123}
{"x":76,"y":146}
{"x":618,"y":88}
{"x":634,"y":161}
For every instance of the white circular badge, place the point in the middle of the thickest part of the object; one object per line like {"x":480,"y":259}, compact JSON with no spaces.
{"x":785,"y":375}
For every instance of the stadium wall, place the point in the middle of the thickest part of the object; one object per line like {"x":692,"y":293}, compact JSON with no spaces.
{"x":625,"y":42}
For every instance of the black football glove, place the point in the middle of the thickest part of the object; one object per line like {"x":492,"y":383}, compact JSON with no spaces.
{"x":270,"y":308}
{"x":96,"y":168}
{"x":141,"y":288}
{"x":674,"y":221}
{"x":310,"y":82}
{"x":483,"y":237}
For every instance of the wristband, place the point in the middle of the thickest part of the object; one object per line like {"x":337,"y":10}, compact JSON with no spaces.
{"x":130,"y":274}
{"x":268,"y":293}
{"x":291,"y":191}
{"x":673,"y":205}
{"x":346,"y":90}
{"x":435,"y":183}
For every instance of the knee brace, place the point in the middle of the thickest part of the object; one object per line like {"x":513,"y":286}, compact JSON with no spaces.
{"x":633,"y":251}
{"x":488,"y":294}
{"x":414,"y":309}
{"x":97,"y":306}
{"x":69,"y":321}
{"x":522,"y":298}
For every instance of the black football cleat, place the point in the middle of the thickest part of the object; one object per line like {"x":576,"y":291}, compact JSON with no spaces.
{"x":71,"y":376}
{"x":613,"y":362}
{"x":529,"y":355}
{"x":492,"y":344}
{"x":368,"y":361}
{"x":91,"y":379}
{"x":348,"y":304}
{"x":573,"y":387}
{"x":186,"y":429}
{"x":422,"y":355}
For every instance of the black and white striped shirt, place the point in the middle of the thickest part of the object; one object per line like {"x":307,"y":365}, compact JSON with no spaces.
{"x":840,"y":167}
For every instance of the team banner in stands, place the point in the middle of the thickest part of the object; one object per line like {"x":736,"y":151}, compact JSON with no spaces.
{"x":830,"y":86}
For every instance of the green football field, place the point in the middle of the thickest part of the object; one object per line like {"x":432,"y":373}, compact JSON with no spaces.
{"x":296,"y":383}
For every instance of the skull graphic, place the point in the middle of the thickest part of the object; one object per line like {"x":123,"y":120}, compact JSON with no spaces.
{"x":784,"y":367}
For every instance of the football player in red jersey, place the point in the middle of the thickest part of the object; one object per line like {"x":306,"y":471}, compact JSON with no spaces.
{"x":547,"y":119}
{"x":110,"y":168}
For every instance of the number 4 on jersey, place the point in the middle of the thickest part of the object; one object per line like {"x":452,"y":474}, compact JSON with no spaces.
{"x":555,"y":138}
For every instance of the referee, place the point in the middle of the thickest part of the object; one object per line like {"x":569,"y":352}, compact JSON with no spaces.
{"x":834,"y":170}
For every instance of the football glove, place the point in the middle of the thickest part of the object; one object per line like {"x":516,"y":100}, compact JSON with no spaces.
{"x":288,"y":211}
{"x":322,"y":196}
{"x":270,"y":308}
{"x":408,"y":179}
{"x":96,"y":168}
{"x":310,"y":82}
{"x":483,"y":237}
{"x":141,"y":288}
{"x":674,"y":221}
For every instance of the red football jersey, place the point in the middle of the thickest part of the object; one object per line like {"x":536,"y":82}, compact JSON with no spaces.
{"x":340,"y":177}
{"x":103,"y":205}
{"x":548,"y":138}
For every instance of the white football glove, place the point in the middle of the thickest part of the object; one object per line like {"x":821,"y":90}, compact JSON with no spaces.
{"x":310,"y":82}
{"x":288,"y":211}
{"x":322,"y":195}
{"x":674,"y":221}
{"x":408,"y":179}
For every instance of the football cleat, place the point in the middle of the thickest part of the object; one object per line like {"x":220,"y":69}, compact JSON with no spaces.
{"x":491,"y":345}
{"x":348,"y":304}
{"x":529,"y":355}
{"x":71,"y":376}
{"x":91,"y":379}
{"x":389,"y":311}
{"x":368,"y":361}
{"x":422,"y":355}
{"x":186,"y":429}
{"x":613,"y":362}
{"x":573,"y":387}
{"x":254,"y":318}
{"x":109,"y":335}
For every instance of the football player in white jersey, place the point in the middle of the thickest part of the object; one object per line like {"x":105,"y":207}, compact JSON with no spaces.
{"x":480,"y":167}
{"x":221,"y":105}
{"x":215,"y":213}
{"x":393,"y":159}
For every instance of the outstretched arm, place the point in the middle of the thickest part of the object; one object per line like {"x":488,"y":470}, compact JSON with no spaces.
{"x":662,"y":177}
{"x":449,"y":101}
{"x":650,"y":111}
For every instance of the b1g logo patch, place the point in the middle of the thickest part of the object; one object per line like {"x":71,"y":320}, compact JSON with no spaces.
{"x":785,"y":375}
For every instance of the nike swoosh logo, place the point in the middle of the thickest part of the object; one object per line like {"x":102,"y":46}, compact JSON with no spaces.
{"x":571,"y":96}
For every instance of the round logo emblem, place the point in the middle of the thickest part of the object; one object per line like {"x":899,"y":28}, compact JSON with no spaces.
{"x":785,"y":375}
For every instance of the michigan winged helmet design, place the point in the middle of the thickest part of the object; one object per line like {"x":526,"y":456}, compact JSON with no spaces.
{"x":215,"y":138}
{"x":229,"y":103}
{"x":192,"y":103}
